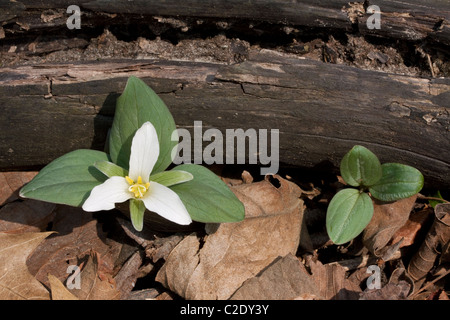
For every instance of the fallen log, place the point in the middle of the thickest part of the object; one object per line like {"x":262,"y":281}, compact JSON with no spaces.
{"x":321,"y":110}
{"x":411,"y":20}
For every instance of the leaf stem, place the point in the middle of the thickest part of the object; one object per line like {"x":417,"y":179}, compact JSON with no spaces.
{"x":421,"y":196}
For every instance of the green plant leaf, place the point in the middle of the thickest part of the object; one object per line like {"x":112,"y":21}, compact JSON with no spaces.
{"x":137,"y":105}
{"x":68,"y":179}
{"x":207,"y":198}
{"x":137,"y":210}
{"x":172,"y":177}
{"x":398,"y":181}
{"x":360,"y":167}
{"x":110,"y":169}
{"x":349,"y":212}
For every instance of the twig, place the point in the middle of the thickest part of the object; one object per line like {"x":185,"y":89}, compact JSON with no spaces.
{"x":421,"y":196}
{"x":431,"y":66}
{"x":356,"y":263}
{"x":429,"y":284}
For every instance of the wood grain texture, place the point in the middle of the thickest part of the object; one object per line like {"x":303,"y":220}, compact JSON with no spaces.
{"x":408,"y":20}
{"x":321,"y":110}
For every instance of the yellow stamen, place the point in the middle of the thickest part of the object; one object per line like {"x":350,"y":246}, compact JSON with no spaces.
{"x":139,"y":189}
{"x":129,"y":180}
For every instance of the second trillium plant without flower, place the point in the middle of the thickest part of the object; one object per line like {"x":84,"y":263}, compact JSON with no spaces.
{"x":351,"y":210}
{"x":140,"y":147}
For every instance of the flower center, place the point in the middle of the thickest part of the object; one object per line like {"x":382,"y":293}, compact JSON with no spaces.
{"x":139,"y":188}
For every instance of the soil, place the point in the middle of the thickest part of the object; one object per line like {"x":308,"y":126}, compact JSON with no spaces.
{"x":223,"y":42}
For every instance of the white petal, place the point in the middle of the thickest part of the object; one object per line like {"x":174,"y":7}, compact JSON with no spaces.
{"x":144,"y":152}
{"x":104,"y":196}
{"x":166,"y":203}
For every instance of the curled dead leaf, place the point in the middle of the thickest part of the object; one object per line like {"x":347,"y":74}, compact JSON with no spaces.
{"x":398,"y":275}
{"x":438,"y":235}
{"x":94,"y":284}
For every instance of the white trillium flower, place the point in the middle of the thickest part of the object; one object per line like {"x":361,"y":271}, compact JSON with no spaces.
{"x":137,"y":186}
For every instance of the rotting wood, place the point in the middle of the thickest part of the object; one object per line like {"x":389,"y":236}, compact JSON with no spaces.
{"x":407,"y":20}
{"x":321,"y":110}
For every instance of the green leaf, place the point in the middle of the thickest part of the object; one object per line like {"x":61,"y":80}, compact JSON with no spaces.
{"x":360,"y":167}
{"x":207,"y":198}
{"x":398,"y":181}
{"x":68,"y":179}
{"x":349,"y":212}
{"x":137,"y":210}
{"x":110,"y":169}
{"x":170,"y":178}
{"x":137,"y":105}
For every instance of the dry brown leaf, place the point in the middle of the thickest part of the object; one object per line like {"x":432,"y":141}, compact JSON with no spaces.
{"x":286,"y":278}
{"x":58,"y":289}
{"x":443,"y":230}
{"x":360,"y":275}
{"x":77,"y":234}
{"x":155,"y":247}
{"x":162,"y":247}
{"x":145,"y":294}
{"x":388,"y":292}
{"x":445,"y":256}
{"x":235,"y":252}
{"x":332,"y":282}
{"x":165,"y":296}
{"x":387,"y":219}
{"x":398,"y":291}
{"x":16,"y":282}
{"x":439,"y":234}
{"x":411,"y":228}
{"x":11,"y":182}
{"x":95,"y":285}
{"x":26,"y":216}
{"x":128,"y":274}
{"x":307,"y":296}
{"x":399,"y":274}
{"x":443,"y":296}
{"x":437,"y":294}
{"x":180,"y":265}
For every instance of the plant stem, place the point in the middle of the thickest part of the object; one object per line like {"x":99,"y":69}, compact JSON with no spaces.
{"x":421,"y":196}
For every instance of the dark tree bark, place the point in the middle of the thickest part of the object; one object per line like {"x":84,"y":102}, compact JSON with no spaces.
{"x":414,"y":20}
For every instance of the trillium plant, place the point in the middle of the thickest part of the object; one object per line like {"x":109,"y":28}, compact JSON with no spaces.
{"x":351,"y":209}
{"x":133,"y":168}
{"x":136,"y":185}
